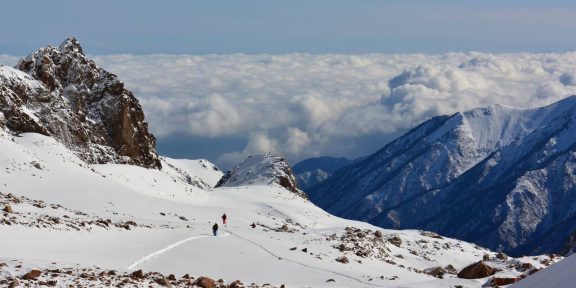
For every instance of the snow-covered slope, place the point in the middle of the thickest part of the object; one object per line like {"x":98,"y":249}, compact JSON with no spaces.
{"x":498,"y":176}
{"x":559,"y":275}
{"x":74,"y":222}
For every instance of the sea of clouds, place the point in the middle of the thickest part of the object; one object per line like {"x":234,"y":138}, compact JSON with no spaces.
{"x":305,"y":105}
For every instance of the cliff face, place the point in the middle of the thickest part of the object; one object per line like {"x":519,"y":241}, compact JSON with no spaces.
{"x":64,"y":94}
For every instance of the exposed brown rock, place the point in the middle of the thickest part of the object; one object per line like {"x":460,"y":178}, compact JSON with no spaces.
{"x":236,"y":284}
{"x":164,"y":282}
{"x":343,"y":259}
{"x":33,"y":274}
{"x":449,"y":269}
{"x":83,"y":106}
{"x":524,"y":266}
{"x":396,"y":241}
{"x":437,"y":272}
{"x":378,"y":234}
{"x":138,"y":274}
{"x":205,"y":282}
{"x":503,"y":281}
{"x":8,"y":209}
{"x":502,"y":256}
{"x":476,"y":271}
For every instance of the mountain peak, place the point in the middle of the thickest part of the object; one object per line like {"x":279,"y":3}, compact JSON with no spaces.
{"x":67,"y":96}
{"x":71,"y":45}
{"x":262,"y":169}
{"x":480,"y":170}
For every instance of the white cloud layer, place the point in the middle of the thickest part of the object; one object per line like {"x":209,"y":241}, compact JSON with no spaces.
{"x":303,"y":105}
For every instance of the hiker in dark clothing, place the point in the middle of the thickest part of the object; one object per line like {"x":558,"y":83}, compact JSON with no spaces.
{"x":215,"y":229}
{"x":224,"y":219}
{"x":253,"y":225}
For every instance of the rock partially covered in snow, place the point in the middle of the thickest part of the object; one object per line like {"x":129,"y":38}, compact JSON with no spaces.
{"x":262,"y":169}
{"x":64,"y":94}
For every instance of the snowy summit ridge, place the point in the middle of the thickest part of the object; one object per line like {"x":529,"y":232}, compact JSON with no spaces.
{"x":262,"y":169}
{"x":498,"y":176}
{"x":64,"y":94}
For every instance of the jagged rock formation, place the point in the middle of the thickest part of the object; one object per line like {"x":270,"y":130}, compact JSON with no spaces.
{"x":65,"y":95}
{"x":261,"y":169}
{"x":499,"y":176}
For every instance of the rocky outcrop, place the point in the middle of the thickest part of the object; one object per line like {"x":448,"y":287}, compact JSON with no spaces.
{"x":64,"y":94}
{"x":476,"y":271}
{"x":262,"y":169}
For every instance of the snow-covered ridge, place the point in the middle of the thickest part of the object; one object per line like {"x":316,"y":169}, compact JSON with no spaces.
{"x":498,"y":176}
{"x":261,"y":169}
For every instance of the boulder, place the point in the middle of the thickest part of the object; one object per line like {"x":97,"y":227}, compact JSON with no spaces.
{"x":8,"y":209}
{"x":476,"y":271}
{"x":378,"y":234}
{"x":502,"y":256}
{"x":343,"y":259}
{"x":33,"y":274}
{"x":205,"y":282}
{"x":15,"y":283}
{"x":523,"y":266}
{"x":437,"y":272}
{"x":396,"y":241}
{"x":138,"y":274}
{"x":503,"y":281}
{"x":236,"y":284}
{"x":449,"y":269}
{"x":164,"y":282}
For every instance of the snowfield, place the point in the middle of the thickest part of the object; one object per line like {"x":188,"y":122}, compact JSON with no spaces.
{"x":76,"y":222}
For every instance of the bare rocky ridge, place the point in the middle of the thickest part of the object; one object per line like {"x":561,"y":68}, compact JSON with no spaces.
{"x":65,"y":95}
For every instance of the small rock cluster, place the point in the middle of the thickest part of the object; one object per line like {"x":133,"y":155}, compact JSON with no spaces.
{"x":96,"y":277}
{"x":71,"y":220}
{"x":363,"y":243}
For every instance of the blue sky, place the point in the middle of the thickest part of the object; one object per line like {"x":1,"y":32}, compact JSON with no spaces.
{"x":315,"y":26}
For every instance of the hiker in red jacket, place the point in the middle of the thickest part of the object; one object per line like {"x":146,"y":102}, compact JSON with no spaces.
{"x":224,"y":218}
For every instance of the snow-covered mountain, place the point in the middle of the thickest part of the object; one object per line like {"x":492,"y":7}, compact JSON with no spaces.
{"x":312,"y":171}
{"x":77,"y":213}
{"x":262,"y":169}
{"x":498,"y":176}
{"x":61,"y":93}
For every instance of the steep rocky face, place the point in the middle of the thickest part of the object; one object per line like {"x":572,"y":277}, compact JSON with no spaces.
{"x":262,"y":169}
{"x":498,"y":176}
{"x":65,"y":95}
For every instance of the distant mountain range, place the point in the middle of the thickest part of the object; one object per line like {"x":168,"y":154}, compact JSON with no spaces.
{"x":312,"y":171}
{"x":499,"y":176}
